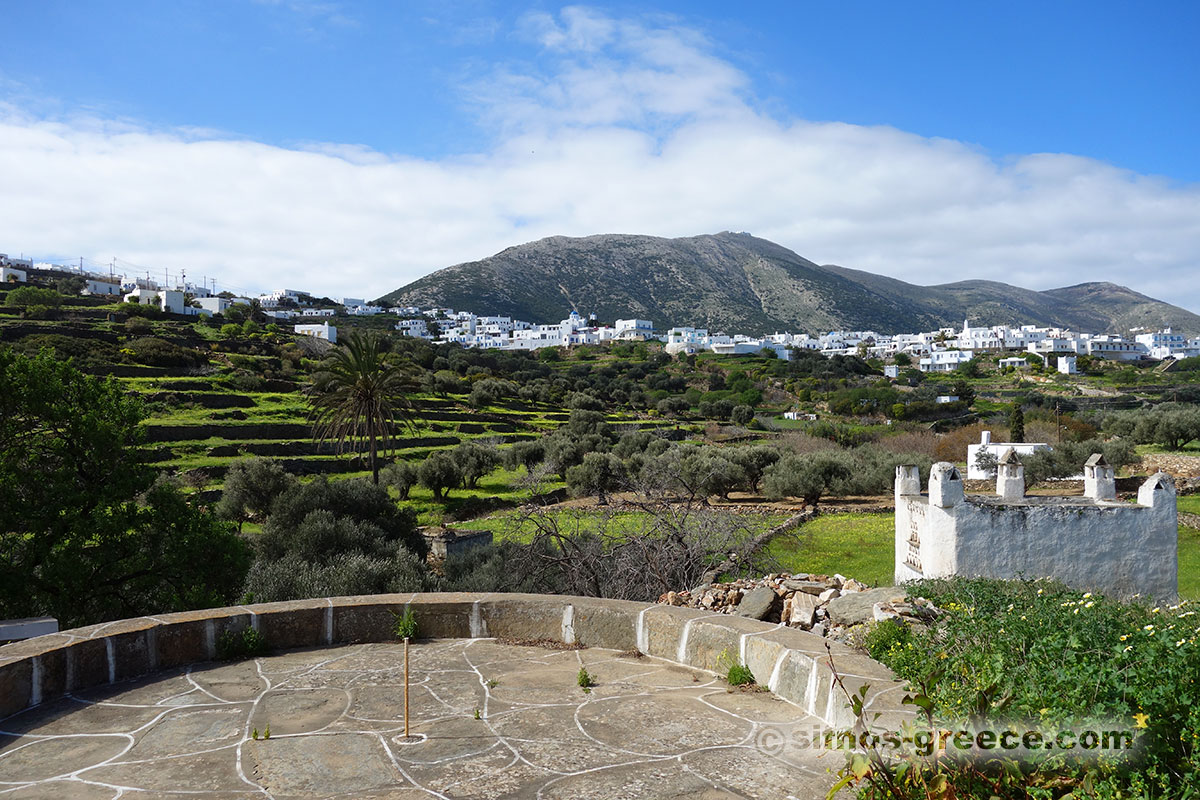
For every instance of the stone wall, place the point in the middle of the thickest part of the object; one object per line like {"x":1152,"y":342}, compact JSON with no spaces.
{"x":1115,"y":548}
{"x":795,"y":665}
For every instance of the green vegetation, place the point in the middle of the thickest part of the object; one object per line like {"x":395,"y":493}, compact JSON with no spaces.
{"x":405,"y":626}
{"x":91,"y":533}
{"x":1189,"y":561}
{"x":739,"y":675}
{"x":861,"y":546}
{"x":357,"y":396}
{"x":1036,"y":655}
{"x":494,"y":435}
{"x":584,"y":679}
{"x":243,"y":644}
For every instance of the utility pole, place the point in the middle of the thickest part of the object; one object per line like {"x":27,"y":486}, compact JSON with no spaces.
{"x":1057,"y":424}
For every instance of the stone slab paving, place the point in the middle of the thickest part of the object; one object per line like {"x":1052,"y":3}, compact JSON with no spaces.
{"x":648,"y":729}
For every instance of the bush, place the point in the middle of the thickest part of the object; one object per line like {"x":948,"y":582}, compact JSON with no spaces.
{"x":138,"y":326}
{"x":809,"y":477}
{"x":742,"y":415}
{"x":247,"y":643}
{"x":160,"y":353}
{"x":524,"y":454}
{"x":740,"y":674}
{"x":1040,"y":654}
{"x":405,"y":625}
{"x":325,"y":539}
{"x":27,"y":296}
{"x":1066,"y":458}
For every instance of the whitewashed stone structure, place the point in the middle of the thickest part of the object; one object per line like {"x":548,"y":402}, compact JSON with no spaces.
{"x":976,"y":472}
{"x":1093,"y":542}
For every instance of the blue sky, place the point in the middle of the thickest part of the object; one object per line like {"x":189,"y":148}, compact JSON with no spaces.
{"x":1042,"y":143}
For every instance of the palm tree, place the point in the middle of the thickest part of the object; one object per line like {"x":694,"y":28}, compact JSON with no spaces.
{"x":358,"y":395}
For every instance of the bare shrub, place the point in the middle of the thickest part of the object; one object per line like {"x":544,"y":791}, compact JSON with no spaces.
{"x":952,"y":446}
{"x":923,"y":442}
{"x":801,"y":443}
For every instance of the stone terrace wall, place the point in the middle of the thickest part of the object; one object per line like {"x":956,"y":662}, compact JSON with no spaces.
{"x":794,"y":664}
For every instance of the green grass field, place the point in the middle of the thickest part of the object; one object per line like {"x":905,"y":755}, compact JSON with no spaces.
{"x":1189,"y":563}
{"x":859,"y":546}
{"x":1190,"y":503}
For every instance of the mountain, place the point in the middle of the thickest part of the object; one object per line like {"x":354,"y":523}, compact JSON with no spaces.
{"x":735,"y":282}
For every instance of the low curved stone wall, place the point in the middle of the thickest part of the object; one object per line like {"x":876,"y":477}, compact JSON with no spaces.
{"x":793,"y":664}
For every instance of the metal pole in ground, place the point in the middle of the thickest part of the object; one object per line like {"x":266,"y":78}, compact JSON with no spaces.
{"x":405,"y":688}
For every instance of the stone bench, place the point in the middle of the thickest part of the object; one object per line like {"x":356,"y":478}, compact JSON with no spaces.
{"x":793,"y":664}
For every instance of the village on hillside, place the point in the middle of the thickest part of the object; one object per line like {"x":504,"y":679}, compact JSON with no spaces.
{"x":942,"y":350}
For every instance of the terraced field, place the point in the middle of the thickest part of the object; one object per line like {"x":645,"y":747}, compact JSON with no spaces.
{"x":242,"y":396}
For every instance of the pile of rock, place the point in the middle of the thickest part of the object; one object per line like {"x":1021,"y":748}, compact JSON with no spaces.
{"x":826,"y":605}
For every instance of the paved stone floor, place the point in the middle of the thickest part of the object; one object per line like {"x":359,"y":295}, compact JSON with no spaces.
{"x":648,"y":729}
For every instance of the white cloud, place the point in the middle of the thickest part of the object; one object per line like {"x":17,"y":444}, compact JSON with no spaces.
{"x":622,"y":126}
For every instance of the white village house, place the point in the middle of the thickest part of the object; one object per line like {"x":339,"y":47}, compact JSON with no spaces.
{"x":996,"y":450}
{"x":323,"y":331}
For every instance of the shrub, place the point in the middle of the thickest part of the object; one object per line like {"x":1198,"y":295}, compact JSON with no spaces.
{"x":742,"y":415}
{"x":247,"y":643}
{"x":524,"y":454}
{"x":739,"y":674}
{"x":1066,"y":458}
{"x":28,"y":296}
{"x":405,"y":625}
{"x":585,"y":679}
{"x":161,"y":353}
{"x":809,"y":477}
{"x":336,"y":538}
{"x":138,"y":326}
{"x":1041,"y":654}
{"x":598,"y":474}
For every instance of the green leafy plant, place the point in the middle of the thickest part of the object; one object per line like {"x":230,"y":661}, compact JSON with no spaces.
{"x":1035,"y":653}
{"x":585,"y":679}
{"x":254,"y":734}
{"x":477,"y":716}
{"x":736,"y":673}
{"x":238,"y":645}
{"x":739,"y":675}
{"x":405,"y":625}
{"x":267,"y":732}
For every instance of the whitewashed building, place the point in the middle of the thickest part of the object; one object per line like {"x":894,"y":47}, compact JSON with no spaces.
{"x":1094,"y":543}
{"x":944,"y":360}
{"x":322,"y":331}
{"x":995,"y":449}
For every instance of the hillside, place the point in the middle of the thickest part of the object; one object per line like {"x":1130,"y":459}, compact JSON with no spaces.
{"x":739,"y":283}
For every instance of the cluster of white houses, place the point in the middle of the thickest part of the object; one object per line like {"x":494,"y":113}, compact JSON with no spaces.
{"x":943,"y":350}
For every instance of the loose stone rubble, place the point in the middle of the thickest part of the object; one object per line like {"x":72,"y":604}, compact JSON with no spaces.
{"x":827,"y":605}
